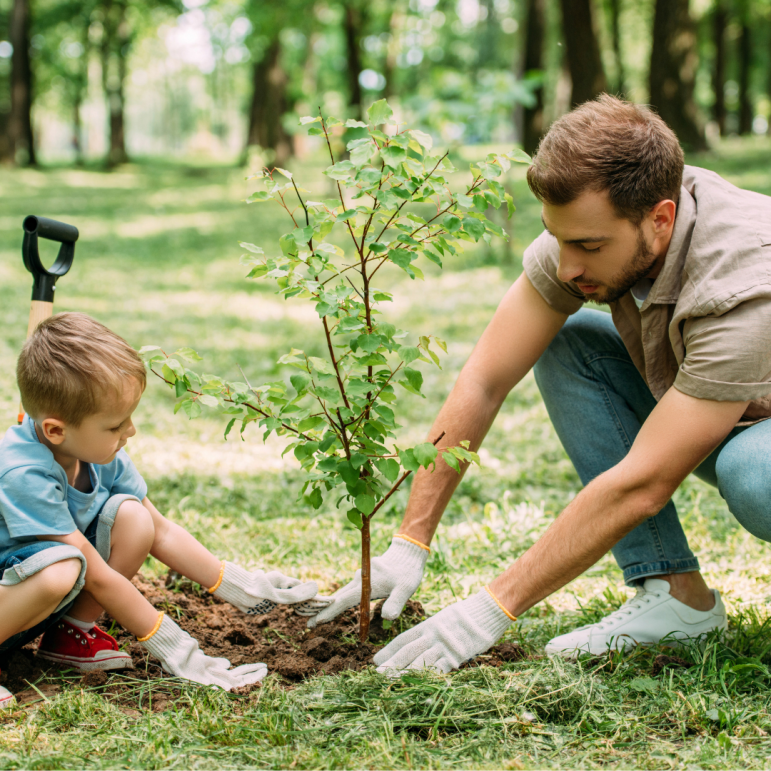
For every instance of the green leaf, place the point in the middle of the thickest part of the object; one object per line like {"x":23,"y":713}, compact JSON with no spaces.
{"x":451,"y":461}
{"x":180,"y":388}
{"x":259,"y":197}
{"x":389,"y":468}
{"x":361,"y":154}
{"x":408,"y":460}
{"x":510,"y":205}
{"x":346,"y":215}
{"x":380,"y":113}
{"x":425,"y":454}
{"x":315,"y":498}
{"x":209,"y":400}
{"x":310,"y":423}
{"x":309,"y":119}
{"x":369,"y":343}
{"x":300,"y":381}
{"x":229,"y":427}
{"x":408,"y":353}
{"x":191,"y":408}
{"x":258,"y":271}
{"x":340,"y":171}
{"x":188,"y":354}
{"x":451,"y":223}
{"x":365,"y":504}
{"x":358,"y":460}
{"x":423,"y":139}
{"x":392,"y":155}
{"x":474,"y":228}
{"x":355,"y":518}
{"x":353,"y":123}
{"x":349,"y":474}
{"x":414,"y":378}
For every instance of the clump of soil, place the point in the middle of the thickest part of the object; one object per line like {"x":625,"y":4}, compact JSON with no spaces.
{"x":662,"y":662}
{"x":280,"y":639}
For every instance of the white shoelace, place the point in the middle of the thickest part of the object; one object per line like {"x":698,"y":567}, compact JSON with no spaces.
{"x":629,"y":607}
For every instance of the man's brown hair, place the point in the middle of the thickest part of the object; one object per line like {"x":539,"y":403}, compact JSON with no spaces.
{"x":70,"y":364}
{"x":613,"y":145}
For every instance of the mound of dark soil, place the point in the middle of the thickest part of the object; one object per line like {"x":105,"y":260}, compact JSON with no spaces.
{"x":280,"y":639}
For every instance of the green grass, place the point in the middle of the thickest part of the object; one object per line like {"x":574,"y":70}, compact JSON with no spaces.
{"x":158,"y":262}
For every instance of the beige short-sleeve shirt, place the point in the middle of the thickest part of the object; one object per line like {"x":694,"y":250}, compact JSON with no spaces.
{"x":705,"y":326}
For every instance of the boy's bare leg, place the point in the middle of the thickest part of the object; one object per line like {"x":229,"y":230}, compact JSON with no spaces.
{"x":182,"y":552}
{"x":32,"y":601}
{"x":130,"y":542}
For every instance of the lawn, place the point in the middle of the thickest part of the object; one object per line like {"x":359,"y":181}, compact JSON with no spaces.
{"x":158,"y":261}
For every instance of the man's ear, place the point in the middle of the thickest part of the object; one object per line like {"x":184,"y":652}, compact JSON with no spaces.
{"x":662,"y":216}
{"x":53,"y":429}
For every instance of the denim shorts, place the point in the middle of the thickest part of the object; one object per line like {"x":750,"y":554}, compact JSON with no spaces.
{"x":21,"y":560}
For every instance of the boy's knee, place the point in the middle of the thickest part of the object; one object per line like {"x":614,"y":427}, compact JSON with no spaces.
{"x":56,"y":581}
{"x":138,"y":520}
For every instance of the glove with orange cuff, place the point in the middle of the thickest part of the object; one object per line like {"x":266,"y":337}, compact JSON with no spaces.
{"x":395,"y":577}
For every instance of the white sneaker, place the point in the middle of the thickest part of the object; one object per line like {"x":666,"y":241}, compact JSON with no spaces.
{"x":6,"y":698}
{"x":647,"y":618}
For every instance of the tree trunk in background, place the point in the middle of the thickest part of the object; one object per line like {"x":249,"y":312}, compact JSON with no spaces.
{"x":531,"y":119}
{"x":114,"y":50}
{"x":673,"y":71}
{"x":745,"y":69}
{"x":21,"y":144}
{"x":719,"y":23}
{"x":269,"y":105}
{"x":583,"y":51}
{"x":619,"y":87}
{"x":353,"y":23}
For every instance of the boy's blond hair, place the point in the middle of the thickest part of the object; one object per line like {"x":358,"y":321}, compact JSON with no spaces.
{"x":70,"y":364}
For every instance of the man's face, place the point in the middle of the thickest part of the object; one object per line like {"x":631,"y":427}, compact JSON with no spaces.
{"x":605,"y":255}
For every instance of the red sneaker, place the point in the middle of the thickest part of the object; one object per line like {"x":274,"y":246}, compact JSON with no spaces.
{"x":86,"y":651}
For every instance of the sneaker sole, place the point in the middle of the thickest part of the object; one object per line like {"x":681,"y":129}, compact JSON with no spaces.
{"x":121,"y":661}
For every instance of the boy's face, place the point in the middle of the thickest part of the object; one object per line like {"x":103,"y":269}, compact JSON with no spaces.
{"x":99,"y":437}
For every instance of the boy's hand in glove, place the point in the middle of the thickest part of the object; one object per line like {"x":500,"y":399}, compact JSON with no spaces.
{"x":395,"y":576}
{"x":444,"y":641}
{"x":258,"y":592}
{"x":180,"y":656}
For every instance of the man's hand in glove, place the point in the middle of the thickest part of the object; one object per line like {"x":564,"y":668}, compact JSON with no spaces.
{"x":395,"y":576}
{"x":258,"y":592}
{"x":180,"y":656}
{"x":444,"y":641}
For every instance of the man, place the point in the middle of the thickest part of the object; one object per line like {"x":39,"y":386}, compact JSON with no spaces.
{"x":677,"y":379}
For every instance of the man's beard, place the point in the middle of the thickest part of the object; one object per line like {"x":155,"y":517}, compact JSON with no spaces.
{"x":637,"y":269}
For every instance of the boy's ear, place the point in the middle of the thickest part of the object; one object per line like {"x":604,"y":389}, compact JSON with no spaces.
{"x":53,"y":430}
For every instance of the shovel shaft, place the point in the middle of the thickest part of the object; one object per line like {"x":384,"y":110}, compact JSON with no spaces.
{"x":39,"y":311}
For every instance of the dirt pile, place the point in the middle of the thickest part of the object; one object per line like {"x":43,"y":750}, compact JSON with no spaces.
{"x":280,"y":639}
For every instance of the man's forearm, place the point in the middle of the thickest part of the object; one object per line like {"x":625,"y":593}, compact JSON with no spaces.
{"x":597,"y":518}
{"x":467,"y":415}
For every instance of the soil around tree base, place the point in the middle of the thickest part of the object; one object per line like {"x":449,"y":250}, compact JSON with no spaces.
{"x":280,"y":639}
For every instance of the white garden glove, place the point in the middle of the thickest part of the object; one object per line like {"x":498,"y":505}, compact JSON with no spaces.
{"x":395,"y":576}
{"x":258,"y":592}
{"x":444,"y":641}
{"x":180,"y":656}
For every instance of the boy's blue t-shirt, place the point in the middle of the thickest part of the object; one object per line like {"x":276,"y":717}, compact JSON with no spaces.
{"x":35,"y":497}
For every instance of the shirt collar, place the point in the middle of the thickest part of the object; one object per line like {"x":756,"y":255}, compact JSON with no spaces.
{"x":666,"y":287}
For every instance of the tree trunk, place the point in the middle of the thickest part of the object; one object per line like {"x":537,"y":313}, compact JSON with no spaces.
{"x":531,"y":122}
{"x":615,"y":34}
{"x":583,"y":51}
{"x":719,"y":23}
{"x":21,"y":144}
{"x":353,"y":22}
{"x":269,"y":105}
{"x":673,"y":71}
{"x":366,"y":582}
{"x":745,"y":69}
{"x":114,"y":50}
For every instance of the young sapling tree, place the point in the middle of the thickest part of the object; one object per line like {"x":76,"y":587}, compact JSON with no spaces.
{"x":394,"y":205}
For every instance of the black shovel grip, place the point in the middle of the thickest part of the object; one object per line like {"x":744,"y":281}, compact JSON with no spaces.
{"x":44,"y":283}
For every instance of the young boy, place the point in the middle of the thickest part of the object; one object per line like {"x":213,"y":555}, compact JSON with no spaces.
{"x":76,"y":523}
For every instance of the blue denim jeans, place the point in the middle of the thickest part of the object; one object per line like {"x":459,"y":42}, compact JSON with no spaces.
{"x":597,"y":401}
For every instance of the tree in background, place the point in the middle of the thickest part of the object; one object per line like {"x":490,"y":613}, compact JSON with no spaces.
{"x":719,"y":24}
{"x":673,"y":71}
{"x":583,"y":51}
{"x":744,"y":57}
{"x":20,"y":145}
{"x":531,"y":117}
{"x":614,"y":14}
